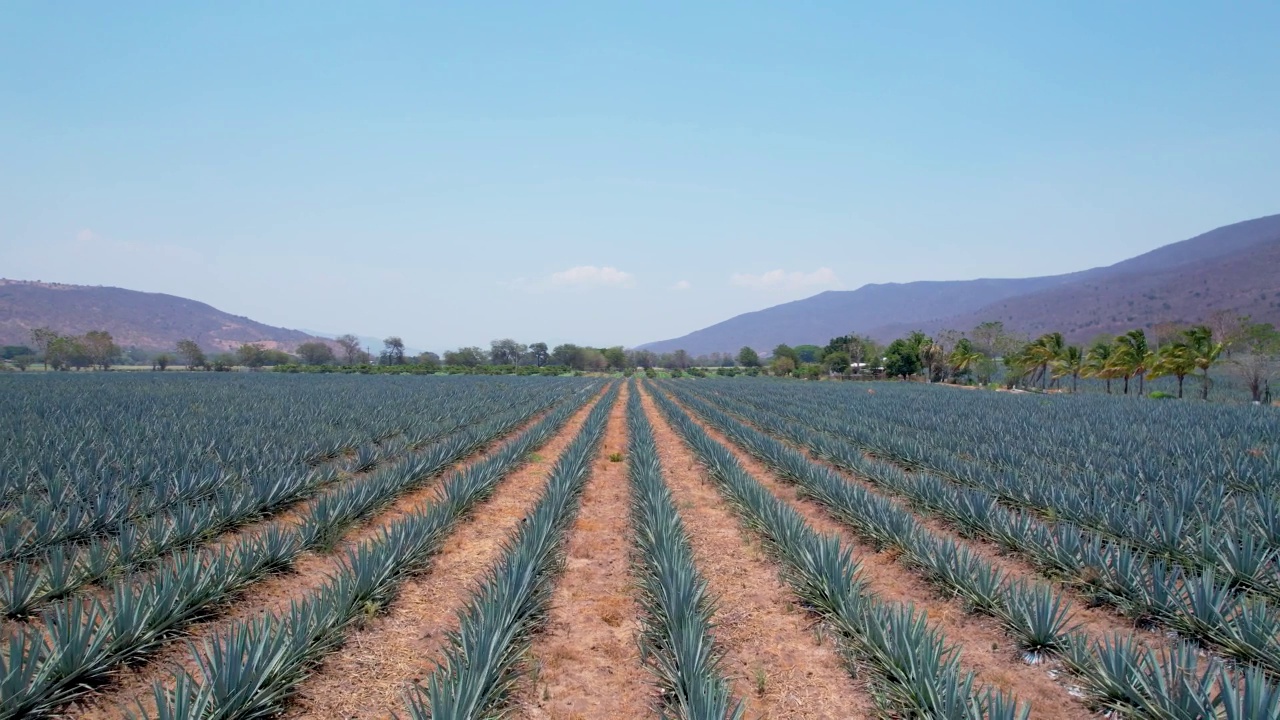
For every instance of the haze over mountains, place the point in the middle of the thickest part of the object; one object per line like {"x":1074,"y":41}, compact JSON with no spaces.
{"x":1236,"y":268}
{"x":149,"y":321}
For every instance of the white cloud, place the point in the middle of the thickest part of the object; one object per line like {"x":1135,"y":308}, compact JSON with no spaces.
{"x":591,"y":276}
{"x":783,"y":280}
{"x":682,"y":285}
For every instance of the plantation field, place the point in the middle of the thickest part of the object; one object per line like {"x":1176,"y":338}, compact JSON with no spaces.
{"x":333,"y":546}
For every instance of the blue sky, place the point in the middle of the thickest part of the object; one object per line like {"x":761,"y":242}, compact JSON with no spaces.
{"x":613,"y":173}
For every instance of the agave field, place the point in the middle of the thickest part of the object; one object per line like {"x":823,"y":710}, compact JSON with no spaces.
{"x":254,"y":545}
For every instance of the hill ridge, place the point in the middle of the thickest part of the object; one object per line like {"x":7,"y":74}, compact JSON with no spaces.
{"x":1218,"y":260}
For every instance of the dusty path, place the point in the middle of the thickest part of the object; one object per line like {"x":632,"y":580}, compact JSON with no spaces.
{"x":587,"y":659}
{"x":271,"y":594}
{"x":404,"y":644}
{"x":984,"y":647}
{"x":780,"y":663}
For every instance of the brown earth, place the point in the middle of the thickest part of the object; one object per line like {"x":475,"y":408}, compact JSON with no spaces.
{"x":780,"y":662}
{"x":402,"y":646}
{"x":133,"y":685}
{"x":586,"y":661}
{"x":983,"y":645}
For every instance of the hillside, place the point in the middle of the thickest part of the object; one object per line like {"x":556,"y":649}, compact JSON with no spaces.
{"x":1236,"y":267}
{"x":151,"y":321}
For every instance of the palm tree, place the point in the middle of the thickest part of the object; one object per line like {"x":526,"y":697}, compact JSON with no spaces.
{"x":1131,"y":357}
{"x":1070,"y":362}
{"x":1175,"y":359}
{"x":1097,"y":362}
{"x":1042,"y":352}
{"x":964,"y":357}
{"x":1204,"y":351}
{"x":932,"y":356}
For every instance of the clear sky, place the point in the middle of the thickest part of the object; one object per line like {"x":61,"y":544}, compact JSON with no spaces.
{"x":612,"y":173}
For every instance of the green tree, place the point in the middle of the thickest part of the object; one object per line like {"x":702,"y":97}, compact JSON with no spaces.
{"x":392,"y":351}
{"x":747,"y":357}
{"x":808,"y":353}
{"x":566,"y":354}
{"x":191,"y":354}
{"x":316,"y":353}
{"x":161,"y":362}
{"x":933,"y":358}
{"x":252,"y":355}
{"x":1176,"y":359}
{"x":538,"y":354}
{"x":1042,"y":353}
{"x":429,"y":360}
{"x":1070,"y":363}
{"x":1098,"y":362}
{"x":1205,"y":351}
{"x":616,"y":357}
{"x":101,"y":348}
{"x":902,"y":358}
{"x":964,"y":357}
{"x":1132,"y":357}
{"x":506,"y":352}
{"x":784,"y":350}
{"x":471,"y":356}
{"x":42,"y":338}
{"x":782,"y":367}
{"x":22,"y":362}
{"x":837,"y":361}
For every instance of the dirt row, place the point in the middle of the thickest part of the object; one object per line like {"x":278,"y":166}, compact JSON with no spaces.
{"x":585,"y":662}
{"x":132,"y":686}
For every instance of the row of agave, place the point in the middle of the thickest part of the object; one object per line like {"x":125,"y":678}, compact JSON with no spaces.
{"x":27,"y":585}
{"x":149,"y":442}
{"x":1032,"y":613}
{"x":677,"y":609}
{"x":919,"y":673}
{"x":482,"y":658}
{"x":1220,"y":442}
{"x":1186,"y":517}
{"x":1197,"y":605}
{"x":251,"y":668}
{"x":1145,"y":690}
{"x":41,"y":522}
{"x":47,"y":667}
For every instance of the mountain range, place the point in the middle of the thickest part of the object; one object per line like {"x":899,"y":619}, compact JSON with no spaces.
{"x":149,"y":321}
{"x":1234,"y":268}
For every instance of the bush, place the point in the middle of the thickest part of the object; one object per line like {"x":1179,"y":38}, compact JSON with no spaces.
{"x":676,"y":373}
{"x":1161,"y":395}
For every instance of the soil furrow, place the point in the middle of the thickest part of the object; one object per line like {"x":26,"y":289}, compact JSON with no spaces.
{"x":780,"y":662}
{"x":383,"y":659}
{"x":270,"y":594}
{"x":983,"y":645}
{"x":586,"y":661}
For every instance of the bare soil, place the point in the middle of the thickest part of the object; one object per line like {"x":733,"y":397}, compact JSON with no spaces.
{"x":133,"y":685}
{"x":780,"y":662}
{"x":402,"y":646}
{"x":586,"y":661}
{"x":983,"y":645}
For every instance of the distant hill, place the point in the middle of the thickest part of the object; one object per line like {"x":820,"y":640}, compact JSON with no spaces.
{"x":1236,"y":267}
{"x":151,"y":321}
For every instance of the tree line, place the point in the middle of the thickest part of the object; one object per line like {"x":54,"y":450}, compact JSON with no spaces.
{"x":1128,"y":360}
